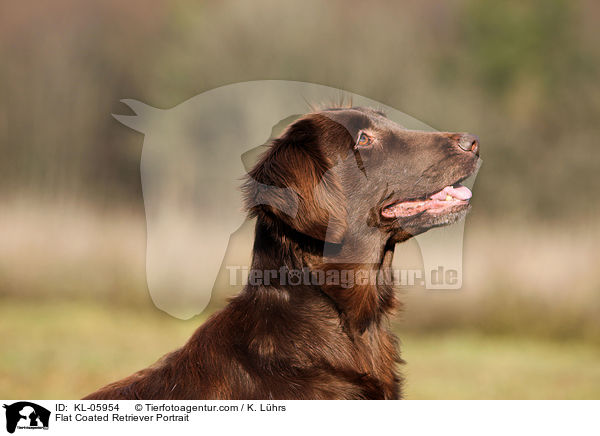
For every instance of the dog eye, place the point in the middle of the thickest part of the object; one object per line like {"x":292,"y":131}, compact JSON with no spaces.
{"x":363,"y":140}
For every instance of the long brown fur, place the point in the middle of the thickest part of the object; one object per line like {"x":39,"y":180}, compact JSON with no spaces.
{"x":308,"y":341}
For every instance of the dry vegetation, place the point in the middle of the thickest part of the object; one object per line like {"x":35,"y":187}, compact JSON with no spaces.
{"x":532,"y":281}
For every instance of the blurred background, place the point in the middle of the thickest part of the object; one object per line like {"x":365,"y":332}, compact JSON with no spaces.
{"x":75,"y":312}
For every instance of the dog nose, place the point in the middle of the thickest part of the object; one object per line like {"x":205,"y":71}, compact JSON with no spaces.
{"x":469,"y":142}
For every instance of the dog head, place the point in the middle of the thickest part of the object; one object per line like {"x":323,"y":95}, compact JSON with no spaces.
{"x":353,"y":171}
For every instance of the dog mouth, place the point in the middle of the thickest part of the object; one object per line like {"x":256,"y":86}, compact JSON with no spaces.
{"x":451,"y":198}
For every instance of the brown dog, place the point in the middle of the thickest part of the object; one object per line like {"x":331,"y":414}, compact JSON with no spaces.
{"x":357,"y":185}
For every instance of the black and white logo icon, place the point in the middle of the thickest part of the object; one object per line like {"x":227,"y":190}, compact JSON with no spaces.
{"x":26,"y":415}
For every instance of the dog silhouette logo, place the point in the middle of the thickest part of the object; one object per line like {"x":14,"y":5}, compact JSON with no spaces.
{"x":26,"y":415}
{"x":191,"y":172}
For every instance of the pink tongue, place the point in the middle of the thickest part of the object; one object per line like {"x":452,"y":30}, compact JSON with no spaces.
{"x":460,"y":192}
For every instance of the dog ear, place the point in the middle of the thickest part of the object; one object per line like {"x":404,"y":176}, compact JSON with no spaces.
{"x":294,"y":175}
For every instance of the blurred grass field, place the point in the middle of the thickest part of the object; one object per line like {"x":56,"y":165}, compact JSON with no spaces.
{"x":63,"y":350}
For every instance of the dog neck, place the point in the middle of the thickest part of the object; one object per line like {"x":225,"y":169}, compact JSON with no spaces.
{"x":362,"y":292}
